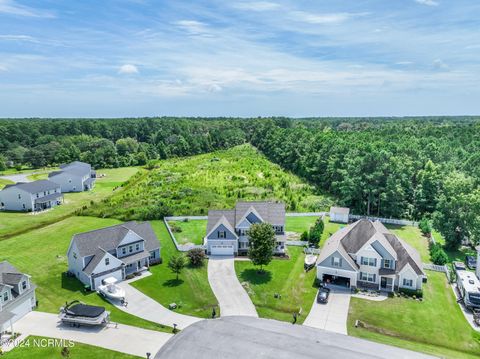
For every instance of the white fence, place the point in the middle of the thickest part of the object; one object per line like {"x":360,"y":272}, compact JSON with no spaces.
{"x":401,"y":222}
{"x":438,"y":268}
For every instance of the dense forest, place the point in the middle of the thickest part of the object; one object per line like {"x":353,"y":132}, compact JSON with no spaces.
{"x":392,"y":167}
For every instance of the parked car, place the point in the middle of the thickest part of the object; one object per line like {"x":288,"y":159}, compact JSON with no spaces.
{"x":323,"y":294}
{"x":471,"y":262}
{"x":459,"y":266}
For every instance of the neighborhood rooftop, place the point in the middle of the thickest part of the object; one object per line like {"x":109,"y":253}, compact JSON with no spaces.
{"x":35,"y":186}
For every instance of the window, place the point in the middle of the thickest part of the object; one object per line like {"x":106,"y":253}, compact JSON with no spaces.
{"x":152,"y":255}
{"x":74,"y":255}
{"x":388,"y":263}
{"x":107,"y":261}
{"x":24,"y":206}
{"x":371,"y":262}
{"x":44,"y":193}
{"x":336,"y":261}
{"x":124,"y":250}
{"x":407,"y":282}
{"x":137,"y":246}
{"x":367,"y":277}
{"x":130,"y":249}
{"x":222,"y":234}
{"x":24,"y":285}
{"x":37,"y":195}
{"x":19,"y":196}
{"x":5,"y":296}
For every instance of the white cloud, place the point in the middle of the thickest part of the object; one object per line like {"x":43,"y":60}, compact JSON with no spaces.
{"x":427,"y":2}
{"x":438,"y":64}
{"x":128,"y":69}
{"x":26,"y":38}
{"x":257,"y":6}
{"x":193,"y":27}
{"x":404,"y":63}
{"x":327,"y":18}
{"x":11,"y":7}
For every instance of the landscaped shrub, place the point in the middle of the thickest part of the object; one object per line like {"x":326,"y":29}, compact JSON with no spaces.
{"x":304,"y":236}
{"x":196,"y":256}
{"x":425,"y":227}
{"x":417,"y":293}
{"x":438,"y":254}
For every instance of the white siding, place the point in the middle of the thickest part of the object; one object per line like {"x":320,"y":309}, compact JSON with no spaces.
{"x":11,"y":201}
{"x":68,"y":182}
{"x":408,"y":273}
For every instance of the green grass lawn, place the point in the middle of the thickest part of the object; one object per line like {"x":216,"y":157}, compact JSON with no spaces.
{"x":39,"y":176}
{"x":12,"y":223}
{"x":457,"y":255}
{"x":191,"y":292}
{"x":42,"y":254}
{"x":301,"y":224}
{"x":413,"y":236}
{"x":191,"y":231}
{"x":4,"y":182}
{"x":193,"y":185}
{"x":436,"y":325}
{"x":33,"y":348}
{"x":286,"y":277}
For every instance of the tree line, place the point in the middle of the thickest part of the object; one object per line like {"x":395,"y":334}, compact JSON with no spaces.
{"x":413,"y":168}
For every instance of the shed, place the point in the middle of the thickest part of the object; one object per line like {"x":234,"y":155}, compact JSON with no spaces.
{"x":339,"y":214}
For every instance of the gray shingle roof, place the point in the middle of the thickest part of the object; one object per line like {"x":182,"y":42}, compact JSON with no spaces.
{"x":75,"y":164}
{"x":35,"y":186}
{"x":271,"y":212}
{"x":354,"y":236}
{"x":109,"y":238}
{"x":9,"y":275}
{"x":97,"y":257}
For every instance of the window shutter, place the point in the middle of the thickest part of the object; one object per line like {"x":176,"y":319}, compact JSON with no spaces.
{"x":340,"y":262}
{"x":332,"y":260}
{"x":382,"y":263}
{"x":374,"y":262}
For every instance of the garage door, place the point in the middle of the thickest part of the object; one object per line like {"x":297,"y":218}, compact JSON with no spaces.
{"x":222,"y":250}
{"x":117,"y":275}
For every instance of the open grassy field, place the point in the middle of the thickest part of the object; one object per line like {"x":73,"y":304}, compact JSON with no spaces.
{"x":191,"y":292}
{"x":193,"y":185}
{"x":12,"y":223}
{"x":285,"y":277}
{"x":30,"y":350}
{"x":436,"y":325}
{"x":413,"y":236}
{"x":42,"y":254}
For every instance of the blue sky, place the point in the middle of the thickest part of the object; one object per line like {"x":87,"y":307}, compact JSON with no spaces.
{"x":108,"y":58}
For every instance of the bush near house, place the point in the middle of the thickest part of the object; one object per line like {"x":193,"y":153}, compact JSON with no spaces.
{"x":438,"y":254}
{"x":196,"y":256}
{"x":425,"y":227}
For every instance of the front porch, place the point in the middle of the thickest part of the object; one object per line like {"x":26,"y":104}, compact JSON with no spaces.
{"x":136,"y":266}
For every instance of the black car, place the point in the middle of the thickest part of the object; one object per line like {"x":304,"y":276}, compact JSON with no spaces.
{"x":323,"y":294}
{"x":471,"y":262}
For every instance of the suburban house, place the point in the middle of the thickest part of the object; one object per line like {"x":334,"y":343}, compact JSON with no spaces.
{"x":339,"y":214}
{"x":17,"y":296}
{"x":74,"y":177}
{"x":365,"y":254}
{"x":117,"y":251}
{"x":227,"y":229}
{"x":30,"y":196}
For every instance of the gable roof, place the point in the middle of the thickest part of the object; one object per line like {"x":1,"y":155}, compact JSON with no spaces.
{"x":270,"y":212}
{"x":35,"y":186}
{"x":353,"y":237}
{"x":223,"y":220}
{"x":109,"y":238}
{"x":9,"y":275}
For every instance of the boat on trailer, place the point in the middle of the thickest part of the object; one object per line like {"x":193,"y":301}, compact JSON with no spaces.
{"x":76,"y":314}
{"x":310,"y":260}
{"x":110,"y":290}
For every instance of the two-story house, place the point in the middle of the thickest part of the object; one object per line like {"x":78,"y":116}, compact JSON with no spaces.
{"x":74,"y":177}
{"x":365,"y":254}
{"x":17,"y":296}
{"x":115,"y":251}
{"x":227,"y":229}
{"x":30,"y":196}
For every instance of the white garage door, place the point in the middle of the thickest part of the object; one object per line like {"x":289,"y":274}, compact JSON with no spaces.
{"x":222,"y":250}
{"x":22,"y":309}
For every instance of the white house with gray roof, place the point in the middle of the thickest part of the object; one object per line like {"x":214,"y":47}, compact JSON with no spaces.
{"x":74,"y":177}
{"x":30,"y":196}
{"x":366,"y":254}
{"x":17,"y":296}
{"x":117,"y":251}
{"x":227,"y":229}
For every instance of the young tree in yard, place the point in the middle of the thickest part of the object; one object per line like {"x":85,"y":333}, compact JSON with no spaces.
{"x":196,"y":256}
{"x":316,"y":232}
{"x":425,"y":226}
{"x":262,"y":242}
{"x":176,"y":264}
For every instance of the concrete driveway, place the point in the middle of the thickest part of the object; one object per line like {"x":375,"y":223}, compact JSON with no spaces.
{"x":20,"y":177}
{"x":124,"y":338}
{"x":231,"y":296}
{"x":333,"y":315}
{"x":145,"y":307}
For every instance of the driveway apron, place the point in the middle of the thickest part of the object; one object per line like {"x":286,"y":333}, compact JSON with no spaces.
{"x":231,"y":296}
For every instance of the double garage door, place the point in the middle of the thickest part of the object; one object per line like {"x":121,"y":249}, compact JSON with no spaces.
{"x":222,"y":250}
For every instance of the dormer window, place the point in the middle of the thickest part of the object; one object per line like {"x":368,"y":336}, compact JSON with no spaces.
{"x":5,"y":296}
{"x":107,"y":261}
{"x":124,"y":250}
{"x":137,"y":246}
{"x":24,"y":285}
{"x":222,"y":234}
{"x":388,"y":263}
{"x":130,"y":249}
